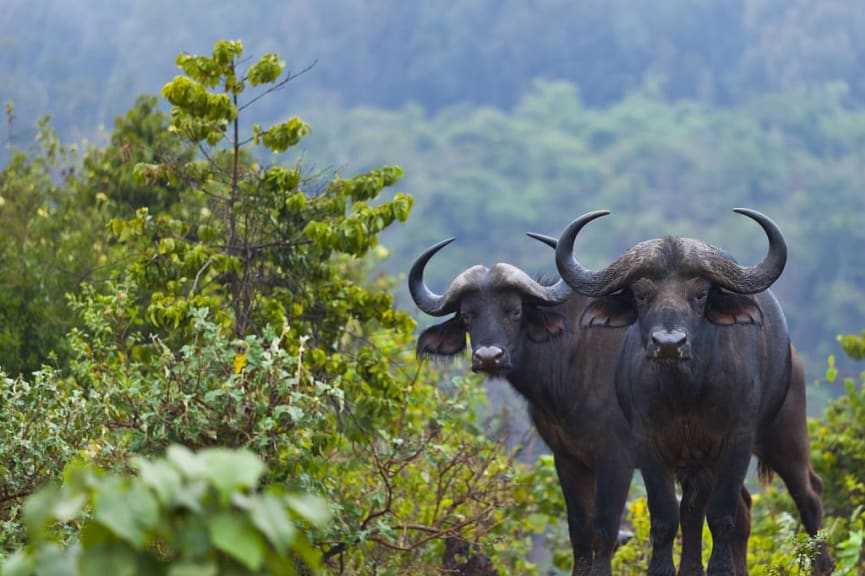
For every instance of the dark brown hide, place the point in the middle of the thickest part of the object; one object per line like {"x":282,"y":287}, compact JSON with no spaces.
{"x":706,"y":377}
{"x":531,"y":336}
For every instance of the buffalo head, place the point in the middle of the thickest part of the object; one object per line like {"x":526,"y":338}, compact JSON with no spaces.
{"x":671,"y":285}
{"x":499,"y":308}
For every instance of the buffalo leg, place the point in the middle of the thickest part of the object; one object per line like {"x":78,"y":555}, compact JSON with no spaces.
{"x":696,"y":488}
{"x":692,"y":509}
{"x":578,"y":486}
{"x":664,"y":512}
{"x":739,"y":545}
{"x":613,"y":480}
{"x":723,"y":508}
{"x":784,"y":447}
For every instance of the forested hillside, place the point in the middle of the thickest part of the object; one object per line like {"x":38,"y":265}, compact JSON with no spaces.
{"x":509,"y":119}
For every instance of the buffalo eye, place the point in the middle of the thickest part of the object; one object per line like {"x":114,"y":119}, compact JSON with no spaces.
{"x":515,"y":313}
{"x":467,"y":318}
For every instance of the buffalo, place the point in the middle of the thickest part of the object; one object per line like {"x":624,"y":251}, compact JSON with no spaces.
{"x":706,"y":376}
{"x":528,"y":332}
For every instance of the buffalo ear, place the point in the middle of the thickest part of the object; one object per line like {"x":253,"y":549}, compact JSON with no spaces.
{"x":726,"y":309}
{"x":544,"y":325}
{"x":445,"y":339}
{"x":613,"y":311}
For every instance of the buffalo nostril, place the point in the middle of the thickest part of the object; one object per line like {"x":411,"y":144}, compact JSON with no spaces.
{"x":669,"y":344}
{"x":488,"y":357}
{"x":669,"y":338}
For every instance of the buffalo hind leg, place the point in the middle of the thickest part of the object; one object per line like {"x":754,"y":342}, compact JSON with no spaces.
{"x":784,"y":447}
{"x":739,"y":545}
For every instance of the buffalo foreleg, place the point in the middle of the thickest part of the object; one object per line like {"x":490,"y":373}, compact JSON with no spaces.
{"x":613,"y":480}
{"x":723,"y":508}
{"x":578,"y":484}
{"x":664,"y":512}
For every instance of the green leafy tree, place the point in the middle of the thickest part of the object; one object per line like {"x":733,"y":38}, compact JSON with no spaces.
{"x":246,"y":311}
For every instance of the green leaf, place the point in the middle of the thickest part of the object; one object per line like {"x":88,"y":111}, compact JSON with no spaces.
{"x":230,"y":470}
{"x":281,"y":137}
{"x":237,"y":537}
{"x":310,"y":507}
{"x":225,"y":51}
{"x":160,"y":476}
{"x":18,"y":564}
{"x":193,"y":569}
{"x":193,"y":540}
{"x":68,"y":504}
{"x":266,"y":70}
{"x":39,"y":510}
{"x":191,"y":494}
{"x":189,"y":463}
{"x":268,"y":513}
{"x":52,"y":560}
{"x":127,"y":509}
{"x":115,"y":559}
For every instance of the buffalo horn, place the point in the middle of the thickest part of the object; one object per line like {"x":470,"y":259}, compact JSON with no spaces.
{"x":753,"y":279}
{"x":427,"y":300}
{"x":580,"y":278}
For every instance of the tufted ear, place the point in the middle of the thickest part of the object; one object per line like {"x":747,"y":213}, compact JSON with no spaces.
{"x":544,"y":325}
{"x":726,"y":309}
{"x":445,"y":339}
{"x":612,"y":311}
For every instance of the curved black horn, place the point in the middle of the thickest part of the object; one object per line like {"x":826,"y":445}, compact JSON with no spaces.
{"x":753,"y":279}
{"x":548,"y":240}
{"x":560,"y":291}
{"x":578,"y":277}
{"x":427,"y":300}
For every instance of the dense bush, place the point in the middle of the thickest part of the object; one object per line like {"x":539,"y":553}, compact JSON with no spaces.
{"x":195,"y":514}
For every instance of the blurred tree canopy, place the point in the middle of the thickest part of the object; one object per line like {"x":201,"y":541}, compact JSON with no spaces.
{"x":385,"y":53}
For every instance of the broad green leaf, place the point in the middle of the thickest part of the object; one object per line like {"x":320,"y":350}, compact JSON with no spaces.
{"x":225,"y":51}
{"x":281,"y":137}
{"x":127,"y":509}
{"x":115,"y":559}
{"x":266,"y":70}
{"x":69,"y":503}
{"x":237,"y":537}
{"x":20,"y":563}
{"x":193,"y":569}
{"x":160,"y":476}
{"x":267,"y":512}
{"x":192,"y":538}
{"x":39,"y":510}
{"x":52,"y":560}
{"x":230,"y":470}
{"x":191,"y":465}
{"x":311,"y":508}
{"x":190,"y":495}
